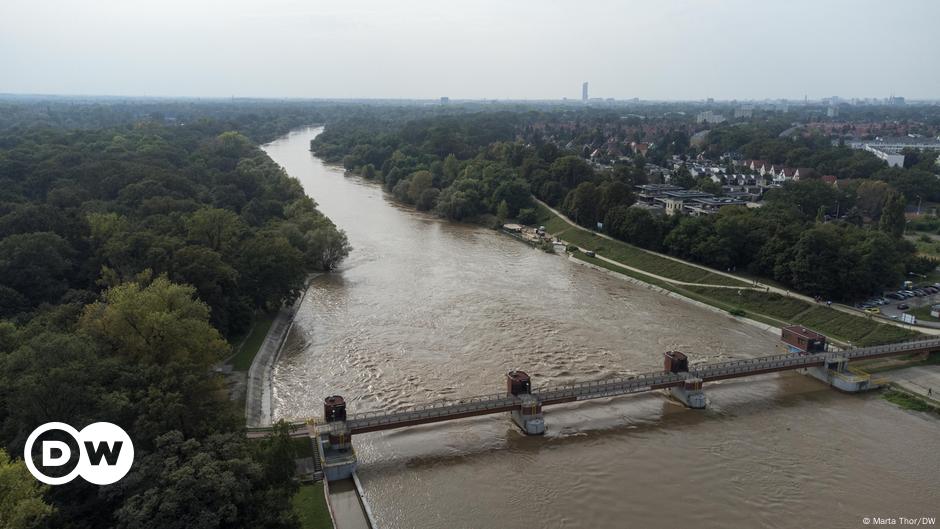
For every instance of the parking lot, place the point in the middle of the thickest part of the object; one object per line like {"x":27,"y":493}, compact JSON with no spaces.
{"x":893,"y":304}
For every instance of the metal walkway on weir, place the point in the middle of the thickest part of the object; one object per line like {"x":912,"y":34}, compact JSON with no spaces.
{"x":504,"y":402}
{"x":808,"y":351}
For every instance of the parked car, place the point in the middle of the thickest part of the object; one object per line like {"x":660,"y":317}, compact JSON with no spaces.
{"x":903,"y":306}
{"x":894,"y":295}
{"x":873,"y":310}
{"x":932,"y":290}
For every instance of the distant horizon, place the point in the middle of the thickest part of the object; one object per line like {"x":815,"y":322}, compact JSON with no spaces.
{"x":674,"y":50}
{"x":705,"y":100}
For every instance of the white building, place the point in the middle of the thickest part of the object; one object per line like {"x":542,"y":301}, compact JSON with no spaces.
{"x":893,"y":159}
{"x":709,"y":117}
{"x":889,"y":149}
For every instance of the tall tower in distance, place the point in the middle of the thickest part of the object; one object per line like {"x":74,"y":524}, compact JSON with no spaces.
{"x":584,"y":92}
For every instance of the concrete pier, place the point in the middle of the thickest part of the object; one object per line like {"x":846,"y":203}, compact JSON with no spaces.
{"x":690,"y":393}
{"x":529,"y":416}
{"x":338,"y":459}
{"x":837,"y":373}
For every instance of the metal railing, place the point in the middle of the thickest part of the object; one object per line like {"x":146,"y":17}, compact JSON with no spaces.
{"x":910,"y":345}
{"x":431,"y":411}
{"x":606,"y":388}
{"x":625,"y":385}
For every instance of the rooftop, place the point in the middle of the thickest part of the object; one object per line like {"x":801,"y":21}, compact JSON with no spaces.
{"x":658,"y":187}
{"x":719,"y":201}
{"x":687,"y":193}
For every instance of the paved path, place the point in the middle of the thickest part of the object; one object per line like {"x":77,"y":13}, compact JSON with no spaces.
{"x":755,"y":285}
{"x":923,"y":380}
{"x":668,"y":279}
{"x":258,"y":396}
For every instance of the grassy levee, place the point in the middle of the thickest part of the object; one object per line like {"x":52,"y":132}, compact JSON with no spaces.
{"x":689,"y":292}
{"x":311,"y":508}
{"x":241,"y":360}
{"x":770,"y":308}
{"x":629,"y":254}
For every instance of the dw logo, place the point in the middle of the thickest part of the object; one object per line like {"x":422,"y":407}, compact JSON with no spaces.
{"x":102,"y":453}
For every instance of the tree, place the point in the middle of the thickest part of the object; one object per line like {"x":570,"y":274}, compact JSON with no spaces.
{"x":53,"y":376}
{"x":203,"y":484}
{"x":708,"y":185}
{"x":570,"y":171}
{"x":21,"y":496}
{"x":634,"y":225}
{"x":515,"y":193}
{"x":818,"y":262}
{"x":451,"y":169}
{"x":156,"y":323}
{"x":218,"y":229}
{"x":36,"y":265}
{"x":419,"y":182}
{"x":527,"y":216}
{"x":502,"y":211}
{"x":428,"y":199}
{"x":457,"y":204}
{"x":806,"y":196}
{"x":682,"y":178}
{"x":581,"y":204}
{"x":612,"y":194}
{"x":326,"y":247}
{"x":271,"y":270}
{"x":870,"y":198}
{"x":892,"y":215}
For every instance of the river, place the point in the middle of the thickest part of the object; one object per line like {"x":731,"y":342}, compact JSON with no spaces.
{"x":425,"y":309}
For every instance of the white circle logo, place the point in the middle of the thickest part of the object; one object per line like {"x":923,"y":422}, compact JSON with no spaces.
{"x":105,"y":453}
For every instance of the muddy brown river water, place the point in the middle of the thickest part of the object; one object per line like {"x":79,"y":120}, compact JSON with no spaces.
{"x":424,"y":309}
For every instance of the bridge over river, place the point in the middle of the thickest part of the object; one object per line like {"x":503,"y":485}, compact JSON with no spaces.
{"x":806,"y":350}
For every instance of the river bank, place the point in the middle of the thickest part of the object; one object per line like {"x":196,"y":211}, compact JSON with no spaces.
{"x":762,"y":303}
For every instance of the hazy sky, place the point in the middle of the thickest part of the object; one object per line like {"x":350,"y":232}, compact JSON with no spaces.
{"x":652,"y":49}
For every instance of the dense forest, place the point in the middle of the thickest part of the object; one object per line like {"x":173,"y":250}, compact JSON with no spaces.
{"x":128,"y":254}
{"x":837,"y":243}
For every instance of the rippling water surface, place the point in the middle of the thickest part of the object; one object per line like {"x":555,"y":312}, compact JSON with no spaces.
{"x":425,"y":309}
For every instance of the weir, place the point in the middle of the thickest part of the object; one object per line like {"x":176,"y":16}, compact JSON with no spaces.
{"x":808,"y":352}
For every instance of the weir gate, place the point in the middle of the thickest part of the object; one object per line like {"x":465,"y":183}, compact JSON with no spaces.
{"x":807,"y":351}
